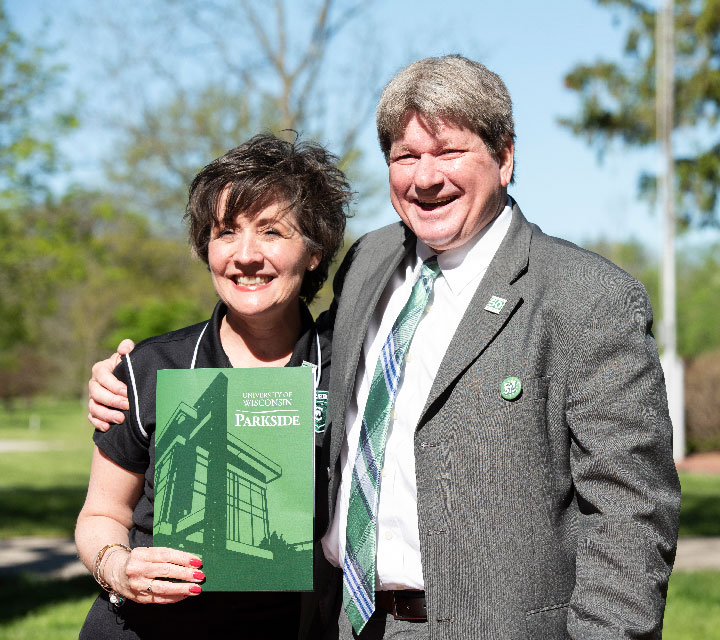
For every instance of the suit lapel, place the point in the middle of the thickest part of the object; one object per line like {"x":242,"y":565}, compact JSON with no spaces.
{"x":478,"y":326}
{"x":374,"y":270}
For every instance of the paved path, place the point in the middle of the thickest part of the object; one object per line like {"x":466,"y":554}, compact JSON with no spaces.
{"x":44,"y":557}
{"x":10,"y":446}
{"x":56,"y":557}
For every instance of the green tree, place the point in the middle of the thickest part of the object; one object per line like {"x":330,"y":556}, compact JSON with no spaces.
{"x":84,"y":269}
{"x":617,"y":99}
{"x":699,"y":301}
{"x":28,"y":130}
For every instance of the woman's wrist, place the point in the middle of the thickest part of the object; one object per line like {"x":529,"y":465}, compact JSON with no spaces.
{"x":110,"y":570}
{"x":105,"y":570}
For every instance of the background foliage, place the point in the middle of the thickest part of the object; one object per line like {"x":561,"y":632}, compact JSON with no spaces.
{"x":82,"y":265}
{"x":617,"y":99}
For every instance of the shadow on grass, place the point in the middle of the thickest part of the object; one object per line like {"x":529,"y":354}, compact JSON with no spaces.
{"x":23,"y":594}
{"x":700,"y":515}
{"x":31,"y":511}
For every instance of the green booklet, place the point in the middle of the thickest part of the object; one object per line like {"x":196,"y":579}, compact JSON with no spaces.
{"x":234,"y":474}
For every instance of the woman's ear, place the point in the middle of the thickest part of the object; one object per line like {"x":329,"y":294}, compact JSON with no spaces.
{"x":315,"y":259}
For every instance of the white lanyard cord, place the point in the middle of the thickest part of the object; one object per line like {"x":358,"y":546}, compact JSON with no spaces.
{"x":318,"y":370}
{"x":197,"y":346}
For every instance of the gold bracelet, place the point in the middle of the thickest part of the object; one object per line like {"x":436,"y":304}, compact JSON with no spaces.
{"x":106,"y":558}
{"x":115,"y":598}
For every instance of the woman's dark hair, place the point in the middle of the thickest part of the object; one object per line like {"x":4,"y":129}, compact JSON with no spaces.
{"x":266,"y":170}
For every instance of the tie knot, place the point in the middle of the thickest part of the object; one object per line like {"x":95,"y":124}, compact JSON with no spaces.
{"x":431,"y":268}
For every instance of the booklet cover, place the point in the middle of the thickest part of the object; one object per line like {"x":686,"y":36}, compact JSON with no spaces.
{"x":234,"y":474}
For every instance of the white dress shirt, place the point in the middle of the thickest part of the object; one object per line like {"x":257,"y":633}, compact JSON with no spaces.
{"x":398,"y":560}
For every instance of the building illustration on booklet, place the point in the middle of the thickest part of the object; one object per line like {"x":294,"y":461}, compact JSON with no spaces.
{"x":234,"y":474}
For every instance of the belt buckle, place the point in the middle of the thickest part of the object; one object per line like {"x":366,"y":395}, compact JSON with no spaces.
{"x":408,"y":614}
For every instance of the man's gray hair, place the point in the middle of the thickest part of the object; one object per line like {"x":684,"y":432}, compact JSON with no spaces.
{"x":452,"y":89}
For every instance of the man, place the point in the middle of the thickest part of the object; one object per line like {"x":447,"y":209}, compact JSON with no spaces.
{"x":514,"y":476}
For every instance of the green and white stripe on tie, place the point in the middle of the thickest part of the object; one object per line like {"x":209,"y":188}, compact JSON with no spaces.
{"x":360,"y":543}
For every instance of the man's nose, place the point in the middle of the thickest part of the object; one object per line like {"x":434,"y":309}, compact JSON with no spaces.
{"x":427,"y":174}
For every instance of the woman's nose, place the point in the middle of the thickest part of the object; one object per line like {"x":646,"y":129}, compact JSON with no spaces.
{"x":248,"y":250}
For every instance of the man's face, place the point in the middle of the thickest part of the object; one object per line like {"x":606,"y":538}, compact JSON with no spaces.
{"x":445,"y":185}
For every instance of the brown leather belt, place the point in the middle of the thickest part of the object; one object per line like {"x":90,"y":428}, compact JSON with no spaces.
{"x":404,"y":604}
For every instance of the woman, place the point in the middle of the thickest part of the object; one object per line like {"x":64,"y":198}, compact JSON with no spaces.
{"x":267,"y":218}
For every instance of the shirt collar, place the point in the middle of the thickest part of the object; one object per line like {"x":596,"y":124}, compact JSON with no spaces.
{"x":211,"y":353}
{"x":463,"y":265}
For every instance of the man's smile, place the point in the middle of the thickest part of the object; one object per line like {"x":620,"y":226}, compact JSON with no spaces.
{"x":431,"y":205}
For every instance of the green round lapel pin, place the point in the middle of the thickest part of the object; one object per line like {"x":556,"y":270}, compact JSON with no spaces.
{"x":510,"y":388}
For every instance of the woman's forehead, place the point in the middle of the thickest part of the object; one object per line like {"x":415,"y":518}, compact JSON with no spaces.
{"x":274,"y":210}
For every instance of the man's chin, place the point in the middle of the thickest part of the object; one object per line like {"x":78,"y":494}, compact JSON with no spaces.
{"x":441,"y":243}
{"x":438,"y":239}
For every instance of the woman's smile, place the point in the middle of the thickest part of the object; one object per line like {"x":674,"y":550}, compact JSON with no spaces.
{"x":251,"y":283}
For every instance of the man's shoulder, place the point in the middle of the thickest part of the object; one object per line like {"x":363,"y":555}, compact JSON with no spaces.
{"x":563,"y":254}
{"x":391,"y":236}
{"x":563,"y":265}
{"x":374,"y":246}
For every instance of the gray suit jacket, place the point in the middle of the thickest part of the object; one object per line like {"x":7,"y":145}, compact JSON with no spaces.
{"x":553,"y":515}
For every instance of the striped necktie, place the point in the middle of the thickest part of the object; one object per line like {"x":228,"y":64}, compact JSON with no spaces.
{"x":360,"y":544}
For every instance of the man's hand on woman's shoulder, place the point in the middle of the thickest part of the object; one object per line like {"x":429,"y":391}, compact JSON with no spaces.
{"x":107,"y":393}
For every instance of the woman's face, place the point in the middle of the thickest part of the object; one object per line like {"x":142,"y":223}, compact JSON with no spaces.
{"x":258,"y":265}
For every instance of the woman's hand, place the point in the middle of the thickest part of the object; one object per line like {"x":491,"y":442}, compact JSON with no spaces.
{"x":140,"y":575}
{"x":107,"y":392}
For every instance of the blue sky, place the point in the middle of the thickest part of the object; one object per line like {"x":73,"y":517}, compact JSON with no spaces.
{"x":559,"y":183}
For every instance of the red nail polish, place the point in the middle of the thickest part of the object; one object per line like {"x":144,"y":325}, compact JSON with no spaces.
{"x":198,"y":575}
{"x":195,"y":562}
{"x":195,"y":589}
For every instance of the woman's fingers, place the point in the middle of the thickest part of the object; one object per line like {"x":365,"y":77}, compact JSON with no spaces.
{"x":162,"y":575}
{"x":166,"y":555}
{"x":159,"y":591}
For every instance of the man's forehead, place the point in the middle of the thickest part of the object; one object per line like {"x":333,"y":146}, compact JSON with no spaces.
{"x":441,"y":128}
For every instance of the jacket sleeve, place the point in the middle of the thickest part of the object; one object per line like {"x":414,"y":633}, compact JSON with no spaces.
{"x":622,"y":468}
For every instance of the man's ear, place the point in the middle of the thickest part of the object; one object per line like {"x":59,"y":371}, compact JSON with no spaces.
{"x":506,"y":162}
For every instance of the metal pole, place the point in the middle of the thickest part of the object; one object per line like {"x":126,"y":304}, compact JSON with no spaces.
{"x":672,"y":364}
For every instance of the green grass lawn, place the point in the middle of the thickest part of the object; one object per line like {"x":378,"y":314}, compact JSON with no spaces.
{"x":41,"y":492}
{"x":44,"y":609}
{"x":693,"y":606}
{"x":700,"y":510}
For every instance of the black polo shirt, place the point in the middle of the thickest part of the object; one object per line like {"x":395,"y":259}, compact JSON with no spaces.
{"x":132,"y":444}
